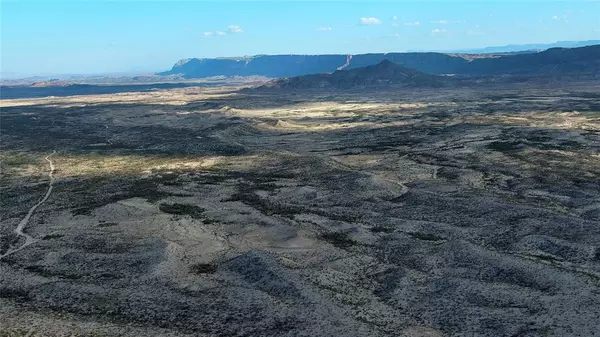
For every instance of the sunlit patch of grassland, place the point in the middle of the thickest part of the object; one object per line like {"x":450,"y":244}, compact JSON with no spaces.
{"x":98,"y":164}
{"x":16,"y":165}
{"x":334,"y":109}
{"x":566,"y":158}
{"x":159,"y":97}
{"x":330,"y":115}
{"x":553,"y":120}
{"x":327,"y":126}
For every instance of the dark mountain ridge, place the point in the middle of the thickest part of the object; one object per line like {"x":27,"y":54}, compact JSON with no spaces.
{"x":554,"y":60}
{"x":531,"y":47}
{"x":383,"y":73}
{"x":296,"y":65}
{"x":551,"y":61}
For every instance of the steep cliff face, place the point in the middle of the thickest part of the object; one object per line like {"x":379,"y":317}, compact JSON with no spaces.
{"x":297,"y":65}
{"x":551,"y":61}
{"x":263,"y":65}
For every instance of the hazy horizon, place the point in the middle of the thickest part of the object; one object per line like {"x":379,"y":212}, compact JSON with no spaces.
{"x":99,"y":38}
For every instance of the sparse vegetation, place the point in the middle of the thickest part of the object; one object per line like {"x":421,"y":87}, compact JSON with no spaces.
{"x":425,"y":236}
{"x":381,"y":229}
{"x":348,"y":198}
{"x":504,"y":146}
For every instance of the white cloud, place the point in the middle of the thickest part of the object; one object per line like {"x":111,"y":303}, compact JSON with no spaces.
{"x":370,"y":21}
{"x":234,"y":29}
{"x":394,"y":17}
{"x":438,"y":31}
{"x":208,"y":34}
{"x":220,"y":32}
{"x":324,"y":29}
{"x":564,"y":18}
{"x":416,"y":23}
{"x":561,"y":18}
{"x":395,"y":25}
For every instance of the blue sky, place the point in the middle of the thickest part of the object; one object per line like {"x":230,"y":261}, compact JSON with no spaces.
{"x":77,"y":37}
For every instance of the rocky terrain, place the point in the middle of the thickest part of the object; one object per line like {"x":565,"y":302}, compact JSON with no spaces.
{"x":215,"y":211}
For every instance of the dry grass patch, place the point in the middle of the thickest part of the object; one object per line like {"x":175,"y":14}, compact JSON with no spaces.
{"x":85,"y":165}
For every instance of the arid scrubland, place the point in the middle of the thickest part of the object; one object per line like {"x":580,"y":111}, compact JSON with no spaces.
{"x":229,"y":211}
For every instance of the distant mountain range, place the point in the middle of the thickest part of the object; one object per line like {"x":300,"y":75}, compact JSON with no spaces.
{"x":554,"y":61}
{"x":512,"y":48}
{"x":277,"y":66}
{"x":552,"y":64}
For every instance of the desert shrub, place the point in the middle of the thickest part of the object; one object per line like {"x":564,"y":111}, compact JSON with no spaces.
{"x":339,"y":239}
{"x":203,"y":268}
{"x":182,"y":209}
{"x":380,"y":229}
{"x":504,"y":146}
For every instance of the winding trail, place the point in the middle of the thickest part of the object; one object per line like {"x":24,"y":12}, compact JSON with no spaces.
{"x":348,"y":58}
{"x":19,"y":230}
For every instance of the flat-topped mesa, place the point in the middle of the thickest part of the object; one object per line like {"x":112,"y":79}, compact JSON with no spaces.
{"x":551,"y":61}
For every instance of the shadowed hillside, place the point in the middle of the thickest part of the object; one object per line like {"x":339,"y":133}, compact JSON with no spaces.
{"x":551,"y":61}
{"x":383,"y":73}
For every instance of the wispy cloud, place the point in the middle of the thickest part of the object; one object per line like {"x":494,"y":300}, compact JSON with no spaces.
{"x":370,"y":21}
{"x":230,"y":29}
{"x":324,"y":29}
{"x":234,"y":29}
{"x":394,"y":17}
{"x":416,"y":23}
{"x":438,"y":31}
{"x":562,"y":18}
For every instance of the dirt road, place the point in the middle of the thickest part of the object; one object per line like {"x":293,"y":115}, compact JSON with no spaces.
{"x":19,"y":230}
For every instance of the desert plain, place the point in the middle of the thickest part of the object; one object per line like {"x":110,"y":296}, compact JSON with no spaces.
{"x":233,"y":211}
